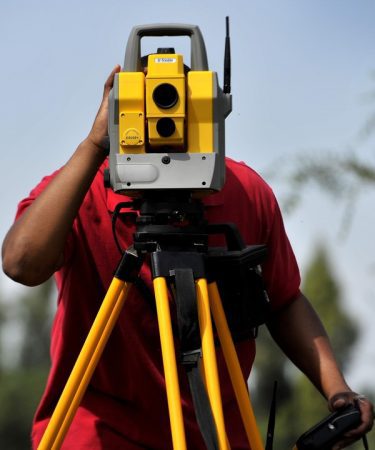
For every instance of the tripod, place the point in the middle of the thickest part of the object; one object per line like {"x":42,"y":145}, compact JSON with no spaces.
{"x":173,"y":233}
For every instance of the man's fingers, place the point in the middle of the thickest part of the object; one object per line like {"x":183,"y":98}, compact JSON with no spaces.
{"x":109,"y":83}
{"x":367,"y":417}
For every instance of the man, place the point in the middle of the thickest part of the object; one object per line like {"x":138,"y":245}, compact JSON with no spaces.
{"x":64,"y":228}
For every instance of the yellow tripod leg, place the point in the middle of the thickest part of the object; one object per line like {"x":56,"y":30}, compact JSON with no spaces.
{"x":234,"y":369}
{"x":85,"y":365}
{"x":169,"y":362}
{"x":210,"y":365}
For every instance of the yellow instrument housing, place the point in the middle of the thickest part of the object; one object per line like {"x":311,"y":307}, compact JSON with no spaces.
{"x":131,"y":100}
{"x":200,"y":110}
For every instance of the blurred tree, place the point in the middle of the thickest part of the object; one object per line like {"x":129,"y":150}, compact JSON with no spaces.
{"x":35,"y":312}
{"x":322,"y":288}
{"x":20,"y":392}
{"x":299,"y":404}
{"x":2,"y":320}
{"x":21,"y":385}
{"x":344,"y":174}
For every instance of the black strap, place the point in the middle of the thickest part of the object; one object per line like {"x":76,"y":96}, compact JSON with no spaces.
{"x":202,"y":409}
{"x":188,"y":325}
{"x":187,"y":314}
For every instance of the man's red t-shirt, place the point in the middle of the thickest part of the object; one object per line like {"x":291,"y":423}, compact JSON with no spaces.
{"x":125,"y":406}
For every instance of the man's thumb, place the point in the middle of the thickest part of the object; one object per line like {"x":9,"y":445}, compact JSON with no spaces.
{"x":340,"y":400}
{"x":339,"y":403}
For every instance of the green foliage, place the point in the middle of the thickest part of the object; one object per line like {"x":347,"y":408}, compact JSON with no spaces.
{"x":323,"y":290}
{"x":2,"y":320}
{"x":271,"y":365}
{"x":20,"y":392}
{"x":21,"y":385}
{"x":34,"y":312}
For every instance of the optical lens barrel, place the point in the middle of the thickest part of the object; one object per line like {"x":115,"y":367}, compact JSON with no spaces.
{"x":165,"y":96}
{"x":165,"y":127}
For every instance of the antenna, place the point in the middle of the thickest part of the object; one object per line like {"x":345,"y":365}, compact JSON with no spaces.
{"x":271,"y":420}
{"x":227,"y":87}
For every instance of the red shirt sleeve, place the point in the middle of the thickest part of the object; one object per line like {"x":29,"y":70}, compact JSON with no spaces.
{"x":280,"y":271}
{"x":26,"y":202}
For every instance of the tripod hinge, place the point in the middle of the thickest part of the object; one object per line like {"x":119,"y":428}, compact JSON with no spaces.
{"x":191,"y":358}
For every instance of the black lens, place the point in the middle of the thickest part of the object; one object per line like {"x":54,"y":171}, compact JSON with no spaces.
{"x":165,"y":127}
{"x":165,"y":95}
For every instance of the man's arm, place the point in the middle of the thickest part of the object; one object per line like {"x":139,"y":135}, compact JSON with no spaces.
{"x":299,"y":332}
{"x":33,"y":248}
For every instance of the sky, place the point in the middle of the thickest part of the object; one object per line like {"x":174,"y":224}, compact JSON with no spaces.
{"x":301,"y":75}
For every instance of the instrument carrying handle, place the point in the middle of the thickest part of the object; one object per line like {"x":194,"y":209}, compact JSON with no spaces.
{"x":133,"y":49}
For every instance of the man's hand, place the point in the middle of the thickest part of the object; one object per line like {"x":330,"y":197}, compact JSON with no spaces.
{"x":342,"y":399}
{"x":98,"y":135}
{"x":299,"y":332}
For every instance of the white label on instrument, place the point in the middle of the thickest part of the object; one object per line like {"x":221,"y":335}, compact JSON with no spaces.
{"x":165,"y":60}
